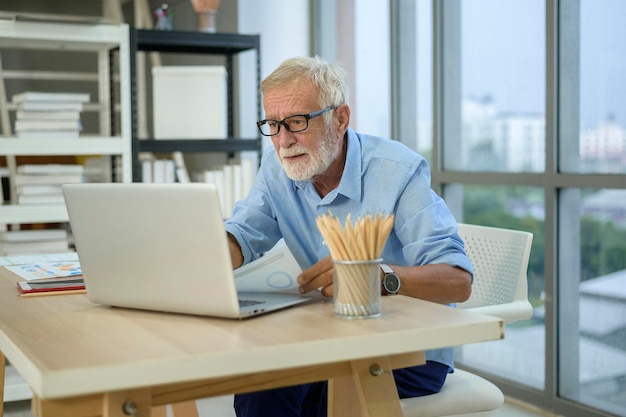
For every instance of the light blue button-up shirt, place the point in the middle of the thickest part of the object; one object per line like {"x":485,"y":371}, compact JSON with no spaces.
{"x":380,"y":176}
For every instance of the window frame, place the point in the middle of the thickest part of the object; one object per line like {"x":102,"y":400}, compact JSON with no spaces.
{"x":561,"y":187}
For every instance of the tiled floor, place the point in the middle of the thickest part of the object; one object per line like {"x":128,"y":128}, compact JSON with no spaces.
{"x":222,"y":407}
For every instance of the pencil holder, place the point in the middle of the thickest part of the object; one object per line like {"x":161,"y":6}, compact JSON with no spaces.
{"x":356,"y":288}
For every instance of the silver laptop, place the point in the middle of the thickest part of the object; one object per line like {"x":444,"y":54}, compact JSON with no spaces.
{"x":159,"y":247}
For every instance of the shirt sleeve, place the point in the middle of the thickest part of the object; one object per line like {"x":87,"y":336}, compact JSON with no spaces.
{"x":425,"y":226}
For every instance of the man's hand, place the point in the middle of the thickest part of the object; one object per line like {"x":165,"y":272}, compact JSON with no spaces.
{"x":319,"y":276}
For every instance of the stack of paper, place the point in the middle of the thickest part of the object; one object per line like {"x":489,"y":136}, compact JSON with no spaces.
{"x":22,"y":242}
{"x":41,"y":183}
{"x":48,"y":278}
{"x":55,"y":115}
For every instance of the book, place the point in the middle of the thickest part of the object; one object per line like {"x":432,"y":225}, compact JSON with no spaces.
{"x":249,"y":172}
{"x":50,"y":169}
{"x":163,"y":171}
{"x":146,"y":170}
{"x":32,"y":235}
{"x":23,"y":179}
{"x":99,"y":169}
{"x":237,"y":183}
{"x":51,"y":288}
{"x":182,"y":174}
{"x":227,"y":190}
{"x":51,"y":276}
{"x":23,"y":125}
{"x":217,"y":177}
{"x":50,"y":97}
{"x":50,"y":106}
{"x":47,"y":115}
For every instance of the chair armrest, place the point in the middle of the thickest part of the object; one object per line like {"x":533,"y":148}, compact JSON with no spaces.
{"x":510,"y":312}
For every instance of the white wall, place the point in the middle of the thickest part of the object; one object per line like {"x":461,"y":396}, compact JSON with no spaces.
{"x":360,"y":41}
{"x":284,"y":26}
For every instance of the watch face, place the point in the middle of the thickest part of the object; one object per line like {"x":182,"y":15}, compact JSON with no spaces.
{"x":391,"y":283}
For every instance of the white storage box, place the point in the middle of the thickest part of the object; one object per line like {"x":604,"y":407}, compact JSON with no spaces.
{"x":189,"y":102}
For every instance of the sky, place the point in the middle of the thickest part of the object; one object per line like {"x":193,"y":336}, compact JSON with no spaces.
{"x":503,"y":56}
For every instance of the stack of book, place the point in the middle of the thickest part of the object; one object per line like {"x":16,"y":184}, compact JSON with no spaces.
{"x":233,"y":182}
{"x":165,"y":170}
{"x":23,"y":242}
{"x":41,"y":183}
{"x":44,"y":115}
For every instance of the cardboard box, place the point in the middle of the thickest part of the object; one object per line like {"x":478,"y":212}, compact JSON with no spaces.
{"x":190,"y":102}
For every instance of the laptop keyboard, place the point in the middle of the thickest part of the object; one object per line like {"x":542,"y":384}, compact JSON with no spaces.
{"x":247,"y":303}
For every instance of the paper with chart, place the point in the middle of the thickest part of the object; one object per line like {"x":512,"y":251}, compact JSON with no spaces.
{"x":276,"y":271}
{"x":48,"y":270}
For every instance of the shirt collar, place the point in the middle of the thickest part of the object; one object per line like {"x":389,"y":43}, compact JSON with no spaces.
{"x":350,"y":184}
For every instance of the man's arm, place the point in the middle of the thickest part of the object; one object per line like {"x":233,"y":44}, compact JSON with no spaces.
{"x":236,"y":256}
{"x":440,"y":283}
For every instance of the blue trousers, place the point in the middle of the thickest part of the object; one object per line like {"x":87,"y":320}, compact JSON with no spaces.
{"x":310,"y":400}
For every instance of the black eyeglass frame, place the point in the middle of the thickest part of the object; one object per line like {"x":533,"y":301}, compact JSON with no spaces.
{"x":280,"y":123}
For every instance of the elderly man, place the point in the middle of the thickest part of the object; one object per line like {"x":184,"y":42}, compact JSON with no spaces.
{"x":319,"y":164}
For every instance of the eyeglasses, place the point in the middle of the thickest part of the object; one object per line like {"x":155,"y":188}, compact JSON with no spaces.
{"x":294,"y":124}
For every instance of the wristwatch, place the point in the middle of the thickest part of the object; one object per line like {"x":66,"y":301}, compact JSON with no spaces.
{"x":391,"y":281}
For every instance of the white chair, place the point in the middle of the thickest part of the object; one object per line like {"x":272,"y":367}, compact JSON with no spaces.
{"x":500,"y":260}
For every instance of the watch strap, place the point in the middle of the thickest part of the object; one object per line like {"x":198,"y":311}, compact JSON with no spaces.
{"x":386,"y":269}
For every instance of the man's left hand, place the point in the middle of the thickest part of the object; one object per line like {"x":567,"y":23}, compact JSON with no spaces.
{"x":319,"y":276}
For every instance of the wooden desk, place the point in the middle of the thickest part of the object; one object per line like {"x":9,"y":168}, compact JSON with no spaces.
{"x":81,"y":359}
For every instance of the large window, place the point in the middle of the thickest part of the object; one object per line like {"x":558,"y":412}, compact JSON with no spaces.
{"x":500,"y":99}
{"x":502,"y":93}
{"x":601,"y":61}
{"x":525,"y":128}
{"x":519,"y":357}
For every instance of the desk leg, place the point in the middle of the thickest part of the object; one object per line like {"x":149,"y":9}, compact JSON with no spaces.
{"x":182,"y":409}
{"x":185,"y":409}
{"x":363,"y":393}
{"x":159,"y":411}
{"x":3,"y":364}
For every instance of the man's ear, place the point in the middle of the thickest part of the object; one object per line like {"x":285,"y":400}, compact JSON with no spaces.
{"x":342,"y":117}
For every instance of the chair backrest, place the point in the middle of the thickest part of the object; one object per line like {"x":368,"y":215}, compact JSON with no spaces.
{"x":500,"y":260}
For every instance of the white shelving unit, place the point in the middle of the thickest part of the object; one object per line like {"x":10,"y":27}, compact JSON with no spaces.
{"x":63,"y":36}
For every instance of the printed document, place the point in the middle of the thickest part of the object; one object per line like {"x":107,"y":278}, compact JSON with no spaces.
{"x":276,"y":271}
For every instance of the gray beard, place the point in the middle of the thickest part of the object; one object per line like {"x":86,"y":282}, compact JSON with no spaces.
{"x":325,"y":154}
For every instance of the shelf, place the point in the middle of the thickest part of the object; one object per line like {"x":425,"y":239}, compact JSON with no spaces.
{"x":194,"y":42}
{"x":109,"y":43}
{"x":40,"y":213}
{"x":195,"y":145}
{"x":60,"y":36}
{"x":91,"y":145}
{"x":224,"y":44}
